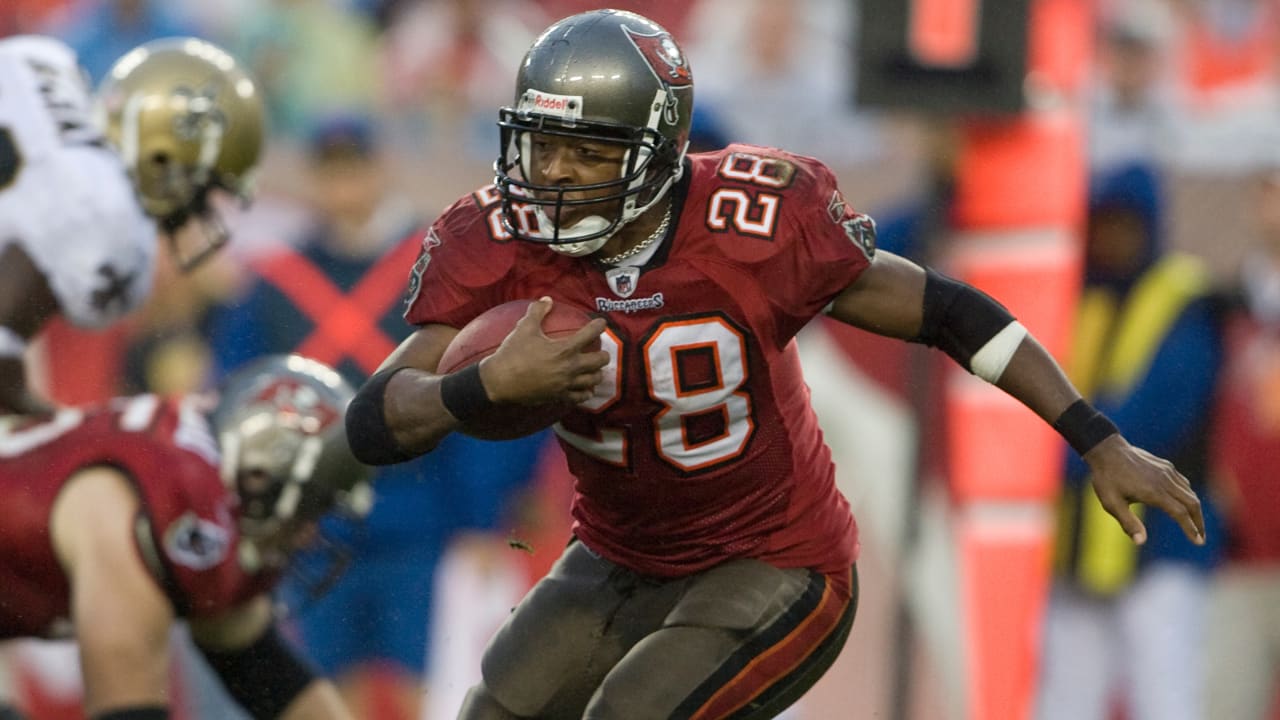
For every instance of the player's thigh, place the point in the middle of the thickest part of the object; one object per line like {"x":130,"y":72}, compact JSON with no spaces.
{"x":567,"y":632}
{"x":745,"y":641}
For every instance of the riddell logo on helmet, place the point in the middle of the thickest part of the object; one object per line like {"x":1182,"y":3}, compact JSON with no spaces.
{"x":536,"y":102}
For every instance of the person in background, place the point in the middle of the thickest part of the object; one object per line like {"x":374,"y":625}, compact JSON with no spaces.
{"x":312,"y":57}
{"x":1122,"y":620}
{"x":144,"y":511}
{"x":335,"y":295}
{"x":712,"y":571}
{"x":80,"y":210}
{"x":1133,"y":114}
{"x":1242,"y":647}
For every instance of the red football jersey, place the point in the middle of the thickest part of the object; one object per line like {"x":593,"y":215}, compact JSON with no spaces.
{"x":186,"y":535}
{"x":701,"y":444}
{"x":1247,"y":438}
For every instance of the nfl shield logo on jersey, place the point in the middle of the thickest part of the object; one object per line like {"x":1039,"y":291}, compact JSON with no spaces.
{"x":622,"y":281}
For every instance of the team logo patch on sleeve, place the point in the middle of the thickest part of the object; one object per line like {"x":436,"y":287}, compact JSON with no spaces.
{"x":861,"y":229}
{"x":429,"y":242}
{"x":195,"y":542}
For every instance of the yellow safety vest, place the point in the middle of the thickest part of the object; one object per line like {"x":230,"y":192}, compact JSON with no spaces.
{"x":1113,"y":347}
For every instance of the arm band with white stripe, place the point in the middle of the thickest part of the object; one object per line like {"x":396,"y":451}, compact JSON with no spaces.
{"x":970,"y":326}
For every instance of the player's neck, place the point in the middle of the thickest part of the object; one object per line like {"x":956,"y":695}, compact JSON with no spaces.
{"x":638,"y":232}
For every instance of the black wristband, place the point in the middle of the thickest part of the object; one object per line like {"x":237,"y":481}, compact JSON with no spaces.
{"x":140,"y":712}
{"x":266,"y":677}
{"x":463,"y":393}
{"x":1083,"y":426}
{"x":369,"y":437}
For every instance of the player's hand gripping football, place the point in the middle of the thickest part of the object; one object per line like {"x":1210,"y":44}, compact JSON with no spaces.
{"x":529,"y":368}
{"x":1124,"y":474}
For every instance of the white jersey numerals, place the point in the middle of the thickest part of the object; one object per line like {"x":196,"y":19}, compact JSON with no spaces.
{"x":715,"y":397}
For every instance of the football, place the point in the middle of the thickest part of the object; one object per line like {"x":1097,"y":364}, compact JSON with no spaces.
{"x":481,"y":337}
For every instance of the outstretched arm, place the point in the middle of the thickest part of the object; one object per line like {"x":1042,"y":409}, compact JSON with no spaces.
{"x":896,"y":297}
{"x":406,"y":409}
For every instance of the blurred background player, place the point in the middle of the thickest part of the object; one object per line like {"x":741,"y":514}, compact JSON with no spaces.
{"x":145,"y":511}
{"x":1122,"y":619}
{"x":1242,"y":646}
{"x":78,"y":214}
{"x":335,"y":294}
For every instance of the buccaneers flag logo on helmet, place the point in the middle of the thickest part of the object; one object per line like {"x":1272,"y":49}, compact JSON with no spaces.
{"x":663,"y":55}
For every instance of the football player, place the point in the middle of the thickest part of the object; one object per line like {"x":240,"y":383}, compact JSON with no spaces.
{"x":124,"y":518}
{"x":86,"y":182}
{"x":712,"y":570}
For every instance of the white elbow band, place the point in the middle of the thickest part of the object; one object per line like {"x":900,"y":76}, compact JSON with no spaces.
{"x":11,"y":343}
{"x":970,"y":326}
{"x":992,"y":358}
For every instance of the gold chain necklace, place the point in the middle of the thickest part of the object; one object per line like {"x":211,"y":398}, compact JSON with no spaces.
{"x":643,"y":245}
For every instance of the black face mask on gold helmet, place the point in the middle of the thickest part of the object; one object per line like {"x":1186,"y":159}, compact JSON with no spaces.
{"x":186,"y":120}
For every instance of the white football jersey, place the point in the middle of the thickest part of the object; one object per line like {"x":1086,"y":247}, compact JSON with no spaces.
{"x":64,"y":194}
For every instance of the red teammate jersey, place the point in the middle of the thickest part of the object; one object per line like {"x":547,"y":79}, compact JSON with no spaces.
{"x":1247,"y":438}
{"x":701,"y":444}
{"x":186,"y":532}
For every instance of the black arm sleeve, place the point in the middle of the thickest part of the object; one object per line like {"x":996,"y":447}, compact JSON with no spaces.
{"x":367,"y":432}
{"x":958,"y":318}
{"x":264,"y":677}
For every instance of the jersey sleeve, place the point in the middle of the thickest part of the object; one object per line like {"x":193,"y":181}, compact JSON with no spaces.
{"x":459,"y":266}
{"x":193,"y":536}
{"x":826,"y":244}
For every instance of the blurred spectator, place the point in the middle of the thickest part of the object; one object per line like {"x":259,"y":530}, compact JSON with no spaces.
{"x":336,"y":296}
{"x":26,"y":16}
{"x":103,"y":30}
{"x":448,"y":64}
{"x":1132,"y":114}
{"x":311,"y":57}
{"x":1243,"y":645}
{"x":782,"y":74}
{"x":670,"y":14}
{"x":1123,"y":619}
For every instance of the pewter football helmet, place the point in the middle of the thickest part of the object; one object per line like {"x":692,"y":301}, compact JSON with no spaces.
{"x":186,"y":119}
{"x":608,"y":76}
{"x":279,"y":424}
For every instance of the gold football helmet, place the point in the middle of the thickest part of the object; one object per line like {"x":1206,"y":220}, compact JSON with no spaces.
{"x":186,"y":119}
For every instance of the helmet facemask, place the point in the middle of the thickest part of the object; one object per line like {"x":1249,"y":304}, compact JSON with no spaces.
{"x":285,"y":456}
{"x":186,"y":121}
{"x":604,"y":76}
{"x":650,"y":165}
